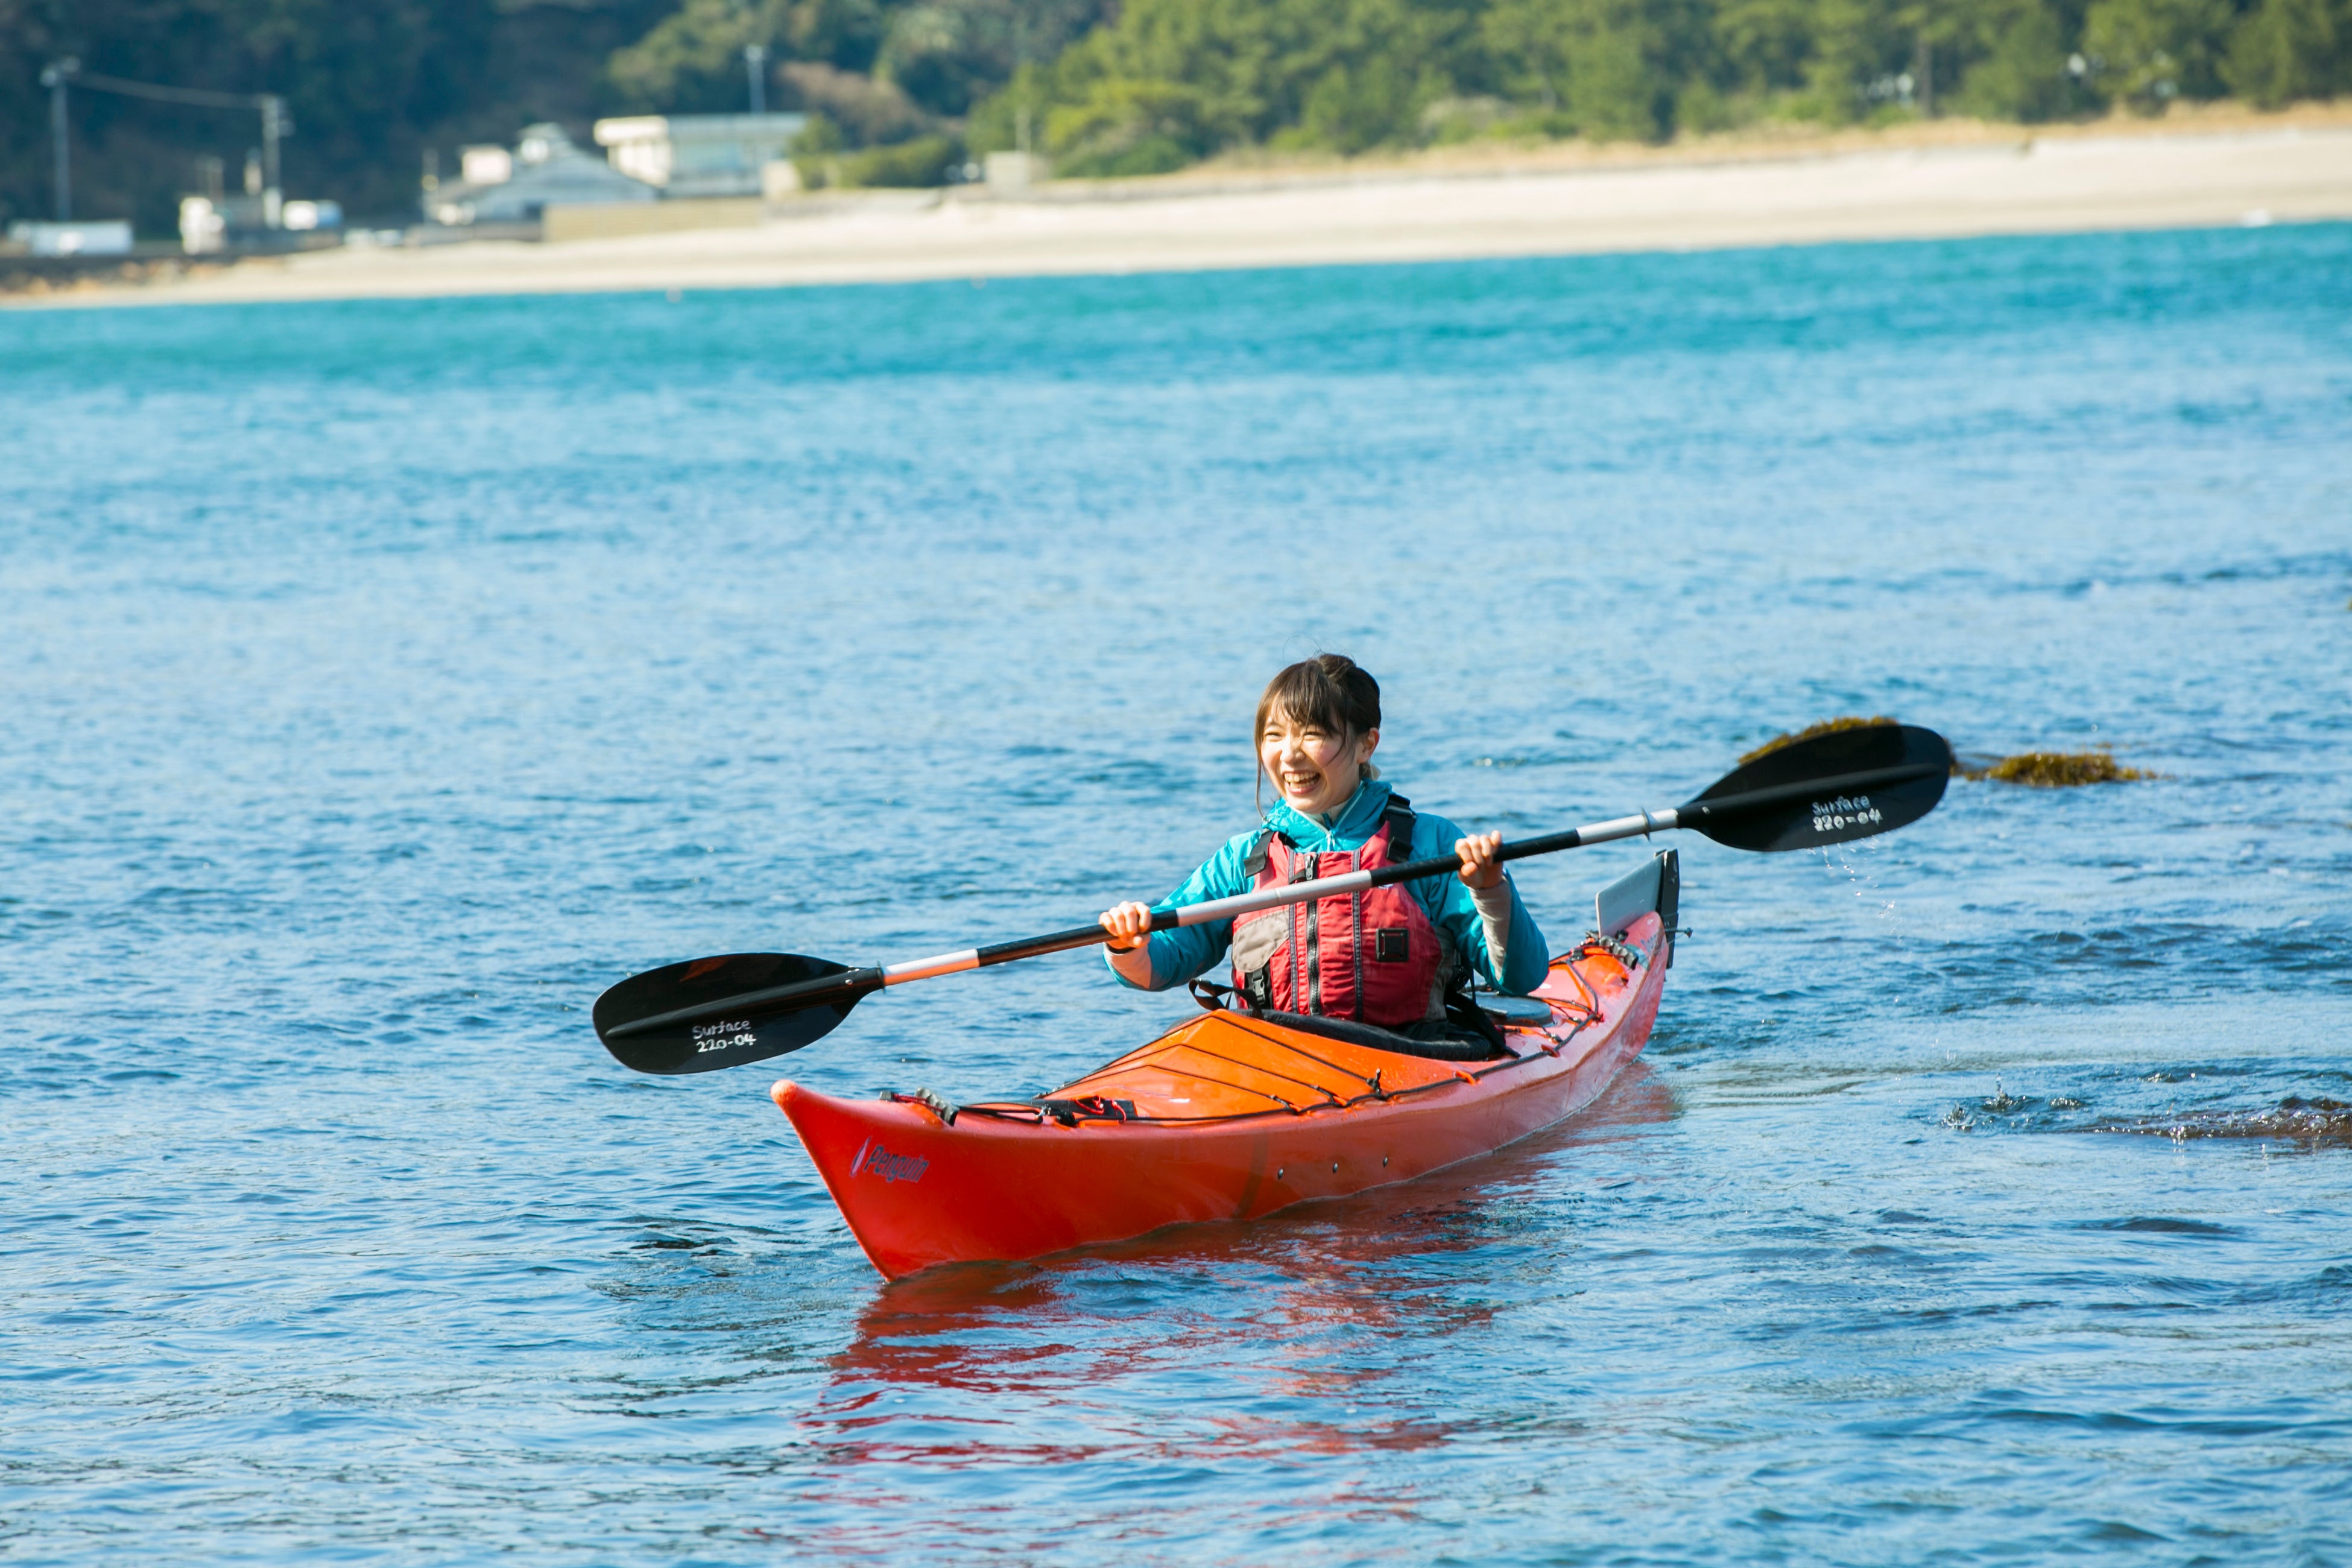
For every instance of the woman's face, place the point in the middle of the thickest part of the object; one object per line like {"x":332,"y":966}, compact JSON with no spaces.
{"x":1316,"y":770}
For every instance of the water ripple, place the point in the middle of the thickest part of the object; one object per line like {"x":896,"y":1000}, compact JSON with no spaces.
{"x":386,"y":678}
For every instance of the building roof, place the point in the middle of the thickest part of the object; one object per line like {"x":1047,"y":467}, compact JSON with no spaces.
{"x":698,"y":155}
{"x":548,"y":170}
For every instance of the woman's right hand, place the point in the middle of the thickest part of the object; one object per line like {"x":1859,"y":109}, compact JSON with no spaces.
{"x":1129,"y":924}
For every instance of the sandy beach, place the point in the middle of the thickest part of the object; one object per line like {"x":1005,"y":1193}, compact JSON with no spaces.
{"x":1963,"y":182}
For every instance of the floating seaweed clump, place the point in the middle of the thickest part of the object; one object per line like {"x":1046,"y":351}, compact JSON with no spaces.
{"x":2060,"y":770}
{"x":1827,"y":726}
{"x":2312,"y":1123}
{"x":2038,"y":770}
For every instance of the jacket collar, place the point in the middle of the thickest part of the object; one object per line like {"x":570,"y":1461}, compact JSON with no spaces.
{"x":1349,"y":825}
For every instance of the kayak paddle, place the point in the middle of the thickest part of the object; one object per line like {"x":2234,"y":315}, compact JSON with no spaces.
{"x":721,"y":1012}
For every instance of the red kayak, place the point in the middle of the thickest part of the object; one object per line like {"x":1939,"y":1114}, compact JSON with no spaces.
{"x":1231,"y":1116}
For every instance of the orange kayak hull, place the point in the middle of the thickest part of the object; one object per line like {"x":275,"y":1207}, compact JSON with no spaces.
{"x":1267,"y":1118}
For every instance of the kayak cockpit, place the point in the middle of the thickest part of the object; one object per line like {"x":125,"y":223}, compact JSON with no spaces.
{"x":1224,"y":1065}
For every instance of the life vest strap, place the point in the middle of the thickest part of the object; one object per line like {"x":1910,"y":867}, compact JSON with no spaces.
{"x":1397,"y":817}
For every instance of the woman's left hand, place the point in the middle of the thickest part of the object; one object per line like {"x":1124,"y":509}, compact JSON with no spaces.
{"x":1481,"y":866}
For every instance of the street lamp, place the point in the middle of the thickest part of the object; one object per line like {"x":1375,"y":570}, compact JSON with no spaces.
{"x":755,"y":66}
{"x":274,"y":125}
{"x":55,"y":77}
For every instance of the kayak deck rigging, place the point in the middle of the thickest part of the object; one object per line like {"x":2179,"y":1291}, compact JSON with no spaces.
{"x":1228,"y":1065}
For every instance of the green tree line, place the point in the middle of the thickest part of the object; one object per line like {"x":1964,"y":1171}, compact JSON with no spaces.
{"x":1170,"y":81}
{"x":904,"y":89}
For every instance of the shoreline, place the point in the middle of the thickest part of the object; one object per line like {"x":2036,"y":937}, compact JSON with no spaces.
{"x":1943,"y":180}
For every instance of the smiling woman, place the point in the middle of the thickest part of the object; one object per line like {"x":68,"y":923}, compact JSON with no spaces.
{"x":1397,"y":957}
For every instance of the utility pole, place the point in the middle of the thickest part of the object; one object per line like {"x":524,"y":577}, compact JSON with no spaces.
{"x":755,"y":66}
{"x":55,"y":77}
{"x":274,"y":124}
{"x":1020,"y":75}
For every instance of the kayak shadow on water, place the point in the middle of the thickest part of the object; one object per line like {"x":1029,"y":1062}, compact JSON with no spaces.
{"x":1359,"y":1262}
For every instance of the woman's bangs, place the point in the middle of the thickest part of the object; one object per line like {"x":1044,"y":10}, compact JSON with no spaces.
{"x":1305,"y":696}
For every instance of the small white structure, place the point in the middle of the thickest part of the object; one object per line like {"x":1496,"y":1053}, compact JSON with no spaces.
{"x":485,"y":165}
{"x":303,"y":217}
{"x":110,"y":237}
{"x":1014,"y":171}
{"x":208,"y":227}
{"x":545,"y":169}
{"x":204,"y":227}
{"x":699,"y":154}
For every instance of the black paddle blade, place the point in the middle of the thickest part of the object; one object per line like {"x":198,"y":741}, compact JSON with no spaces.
{"x":723,"y":1042}
{"x":1809,"y":795}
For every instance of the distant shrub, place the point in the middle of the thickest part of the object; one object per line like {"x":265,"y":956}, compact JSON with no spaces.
{"x":2290,"y":49}
{"x":1450,"y":120}
{"x":1147,"y":155}
{"x":815,"y":152}
{"x":2149,"y":52}
{"x":1126,"y":126}
{"x":906,"y":166}
{"x":2025,"y":77}
{"x":1700,"y":107}
{"x":1354,"y":108}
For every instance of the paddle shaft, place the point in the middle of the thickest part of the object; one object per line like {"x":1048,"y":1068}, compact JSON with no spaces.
{"x":856,"y":983}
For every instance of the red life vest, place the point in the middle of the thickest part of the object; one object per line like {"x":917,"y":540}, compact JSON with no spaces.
{"x":1371,"y":956}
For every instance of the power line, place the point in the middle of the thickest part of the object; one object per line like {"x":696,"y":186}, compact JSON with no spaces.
{"x":276,"y":124}
{"x":204,"y":96}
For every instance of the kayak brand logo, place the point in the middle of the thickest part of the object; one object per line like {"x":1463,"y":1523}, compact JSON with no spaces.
{"x":1830,"y":816}
{"x":720,"y":1036}
{"x":880,"y":1162}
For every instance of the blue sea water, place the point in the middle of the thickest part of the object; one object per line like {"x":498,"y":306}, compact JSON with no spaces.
{"x":384,"y":679}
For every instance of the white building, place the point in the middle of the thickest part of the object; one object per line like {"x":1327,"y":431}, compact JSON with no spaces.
{"x":108,"y":236}
{"x":545,"y":169}
{"x":698,"y":155}
{"x":208,"y":226}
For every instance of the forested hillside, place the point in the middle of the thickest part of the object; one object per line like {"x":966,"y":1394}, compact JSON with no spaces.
{"x":1106,"y":88}
{"x":1172,"y":80}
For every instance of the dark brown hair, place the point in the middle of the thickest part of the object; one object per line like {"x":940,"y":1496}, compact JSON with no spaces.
{"x":1329,"y":691}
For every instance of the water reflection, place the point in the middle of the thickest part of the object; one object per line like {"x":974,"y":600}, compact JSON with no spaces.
{"x":1289,"y":1319}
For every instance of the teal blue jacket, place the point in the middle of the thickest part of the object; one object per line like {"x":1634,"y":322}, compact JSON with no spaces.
{"x":1180,"y":956}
